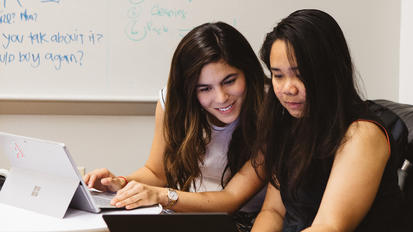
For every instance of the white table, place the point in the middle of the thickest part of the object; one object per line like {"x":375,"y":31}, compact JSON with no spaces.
{"x":16,"y":219}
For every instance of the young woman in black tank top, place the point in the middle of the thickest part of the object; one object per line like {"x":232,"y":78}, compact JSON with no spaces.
{"x":328,"y":159}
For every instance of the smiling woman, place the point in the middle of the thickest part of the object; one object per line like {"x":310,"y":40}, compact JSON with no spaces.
{"x":204,"y":133}
{"x":221,"y":91}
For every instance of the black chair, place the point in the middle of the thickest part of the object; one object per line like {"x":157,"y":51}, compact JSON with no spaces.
{"x":405,"y":112}
{"x":405,"y":173}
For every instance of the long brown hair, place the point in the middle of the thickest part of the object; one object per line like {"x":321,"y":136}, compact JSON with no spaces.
{"x":290,"y":145}
{"x":187,"y":130}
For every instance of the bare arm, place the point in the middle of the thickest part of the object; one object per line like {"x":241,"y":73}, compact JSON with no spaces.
{"x":240,"y":188}
{"x":272,"y":213}
{"x":354,"y":179}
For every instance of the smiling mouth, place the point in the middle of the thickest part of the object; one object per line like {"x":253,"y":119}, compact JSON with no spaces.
{"x":225,"y":108}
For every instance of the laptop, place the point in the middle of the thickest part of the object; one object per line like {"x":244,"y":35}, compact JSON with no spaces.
{"x":44,"y":178}
{"x":182,"y":222}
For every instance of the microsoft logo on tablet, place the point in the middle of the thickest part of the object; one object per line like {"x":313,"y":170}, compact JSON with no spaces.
{"x":35,"y":191}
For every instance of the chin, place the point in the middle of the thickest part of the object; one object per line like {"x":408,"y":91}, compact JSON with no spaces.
{"x":296,"y":114}
{"x":227,"y":120}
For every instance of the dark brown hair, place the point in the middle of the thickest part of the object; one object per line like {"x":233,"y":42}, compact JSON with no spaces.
{"x":187,"y":129}
{"x":290,"y":145}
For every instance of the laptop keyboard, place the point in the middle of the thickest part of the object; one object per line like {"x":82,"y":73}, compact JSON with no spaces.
{"x":102,"y":199}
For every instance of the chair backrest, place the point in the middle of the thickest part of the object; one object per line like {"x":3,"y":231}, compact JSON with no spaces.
{"x":405,"y":113}
{"x":395,"y":125}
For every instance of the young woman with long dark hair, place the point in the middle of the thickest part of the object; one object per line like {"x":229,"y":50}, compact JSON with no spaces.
{"x":329,"y":160}
{"x":204,"y":132}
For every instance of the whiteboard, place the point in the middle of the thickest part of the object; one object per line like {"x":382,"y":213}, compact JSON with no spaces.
{"x":120,"y":50}
{"x":104,"y":49}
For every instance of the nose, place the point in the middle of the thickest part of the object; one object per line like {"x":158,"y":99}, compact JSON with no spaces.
{"x":221,"y":95}
{"x":289,"y":87}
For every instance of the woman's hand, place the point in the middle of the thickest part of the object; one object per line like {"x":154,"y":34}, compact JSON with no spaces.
{"x":103,"y":180}
{"x":136,"y":194}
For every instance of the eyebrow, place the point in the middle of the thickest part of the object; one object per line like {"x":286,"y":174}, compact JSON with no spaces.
{"x":223,"y":80}
{"x":279,"y":70}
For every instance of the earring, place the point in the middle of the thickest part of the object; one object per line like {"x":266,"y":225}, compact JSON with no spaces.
{"x":283,"y":111}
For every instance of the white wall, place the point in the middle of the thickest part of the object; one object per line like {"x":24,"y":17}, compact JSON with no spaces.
{"x":406,"y":53}
{"x":372,"y":30}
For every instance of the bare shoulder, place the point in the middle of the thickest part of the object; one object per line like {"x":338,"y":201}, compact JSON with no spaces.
{"x":367,"y":129}
{"x":368,"y":136}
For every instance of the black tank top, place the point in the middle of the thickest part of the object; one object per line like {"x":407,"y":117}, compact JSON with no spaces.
{"x":384,"y":215}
